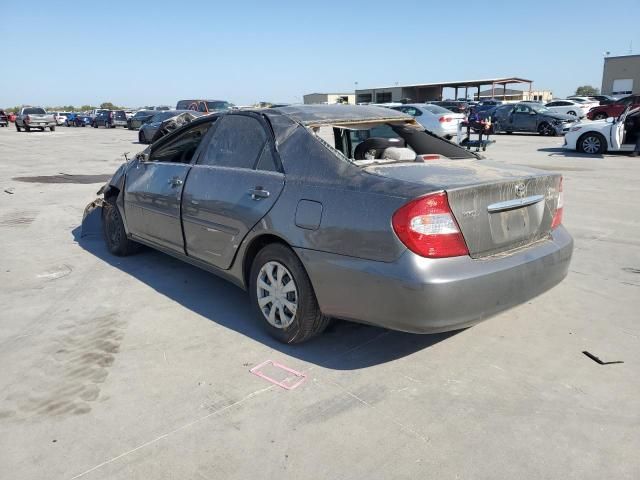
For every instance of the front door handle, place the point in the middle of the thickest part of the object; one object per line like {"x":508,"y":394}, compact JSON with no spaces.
{"x":258,"y":193}
{"x":175,"y":182}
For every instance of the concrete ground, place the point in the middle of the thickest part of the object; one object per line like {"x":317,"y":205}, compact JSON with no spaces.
{"x":138,"y":367}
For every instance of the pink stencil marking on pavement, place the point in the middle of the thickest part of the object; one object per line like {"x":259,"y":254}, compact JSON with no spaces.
{"x":257,"y":370}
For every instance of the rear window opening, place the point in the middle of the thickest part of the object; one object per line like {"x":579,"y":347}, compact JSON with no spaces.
{"x":387,"y":143}
{"x":34,"y":111}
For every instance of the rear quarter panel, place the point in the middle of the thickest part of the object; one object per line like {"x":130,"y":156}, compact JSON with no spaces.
{"x":357,"y":207}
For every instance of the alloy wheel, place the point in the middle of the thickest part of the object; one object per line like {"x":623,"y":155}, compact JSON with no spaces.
{"x":546,"y":129}
{"x":277,"y":294}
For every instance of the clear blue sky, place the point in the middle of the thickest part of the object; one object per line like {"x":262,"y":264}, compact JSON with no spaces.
{"x":140,"y":52}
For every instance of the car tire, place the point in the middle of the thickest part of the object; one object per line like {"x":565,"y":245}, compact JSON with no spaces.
{"x":546,"y":129}
{"x":276,"y":263}
{"x":141,"y":137}
{"x":600,"y":116}
{"x":115,"y":235}
{"x":27,"y":129}
{"x":18,"y":128}
{"x":572,"y":113}
{"x":52,"y":128}
{"x":592,"y":143}
{"x":94,"y":125}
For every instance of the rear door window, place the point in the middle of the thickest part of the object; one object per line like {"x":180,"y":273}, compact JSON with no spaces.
{"x":237,"y":142}
{"x":34,"y":111}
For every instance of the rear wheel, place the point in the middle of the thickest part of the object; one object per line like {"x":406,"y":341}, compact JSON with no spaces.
{"x":52,"y":128}
{"x":115,"y":235}
{"x":283,"y":296}
{"x":600,"y":116}
{"x":18,"y":128}
{"x":27,"y":129}
{"x":546,"y":129}
{"x":592,"y":143}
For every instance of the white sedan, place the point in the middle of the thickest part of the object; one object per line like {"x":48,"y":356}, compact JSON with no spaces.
{"x":603,"y":136}
{"x":60,"y":117}
{"x":569,"y":107}
{"x":433,"y":118}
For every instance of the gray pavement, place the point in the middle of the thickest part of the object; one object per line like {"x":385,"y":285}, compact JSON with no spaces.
{"x":138,"y":367}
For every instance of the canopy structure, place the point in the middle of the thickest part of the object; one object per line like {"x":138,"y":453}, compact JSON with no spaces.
{"x":434,"y":91}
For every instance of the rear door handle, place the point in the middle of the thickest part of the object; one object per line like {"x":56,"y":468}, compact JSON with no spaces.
{"x":175,"y":182}
{"x":258,"y":193}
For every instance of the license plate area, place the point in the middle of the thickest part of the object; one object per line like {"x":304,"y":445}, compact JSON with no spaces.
{"x":517,"y":224}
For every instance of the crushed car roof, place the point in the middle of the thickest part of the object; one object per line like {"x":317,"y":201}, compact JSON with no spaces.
{"x":310,"y":115}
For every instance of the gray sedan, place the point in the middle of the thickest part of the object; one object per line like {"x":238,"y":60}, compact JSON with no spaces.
{"x":531,"y":117}
{"x":351,"y":212}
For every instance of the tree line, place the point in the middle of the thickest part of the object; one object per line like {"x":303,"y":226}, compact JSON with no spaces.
{"x":71,"y":108}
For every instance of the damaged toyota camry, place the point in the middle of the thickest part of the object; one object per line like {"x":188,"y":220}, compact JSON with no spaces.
{"x":350,"y":212}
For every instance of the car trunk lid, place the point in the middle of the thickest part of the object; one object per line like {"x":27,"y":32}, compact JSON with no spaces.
{"x":498,"y":208}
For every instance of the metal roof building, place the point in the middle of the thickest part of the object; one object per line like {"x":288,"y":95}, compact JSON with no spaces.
{"x":422,"y":92}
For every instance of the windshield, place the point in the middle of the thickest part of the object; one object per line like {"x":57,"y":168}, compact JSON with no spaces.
{"x":539,"y":108}
{"x":161,"y":117}
{"x":142,"y":113}
{"x":34,"y":111}
{"x":212,"y":106}
{"x":436,"y":109}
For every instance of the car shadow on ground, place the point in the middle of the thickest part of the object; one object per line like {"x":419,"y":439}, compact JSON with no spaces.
{"x":343,"y":346}
{"x":562,"y":152}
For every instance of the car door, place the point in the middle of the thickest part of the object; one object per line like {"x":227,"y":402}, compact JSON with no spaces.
{"x":236,"y":180}
{"x":618,"y":131}
{"x":523,"y":118}
{"x":153,"y":189}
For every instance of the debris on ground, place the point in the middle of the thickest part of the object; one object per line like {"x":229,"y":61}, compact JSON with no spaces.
{"x":597,"y":360}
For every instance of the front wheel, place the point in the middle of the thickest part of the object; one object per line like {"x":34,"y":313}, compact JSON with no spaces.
{"x":592,"y":143}
{"x":141,"y":137}
{"x":18,"y":128}
{"x":115,"y":235}
{"x":52,"y":128}
{"x":27,"y":129}
{"x":283,"y":296}
{"x":546,"y":129}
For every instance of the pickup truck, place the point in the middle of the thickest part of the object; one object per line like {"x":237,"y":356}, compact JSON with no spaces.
{"x":34,"y":117}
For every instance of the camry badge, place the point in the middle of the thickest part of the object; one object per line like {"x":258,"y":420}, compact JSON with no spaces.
{"x":521,"y":189}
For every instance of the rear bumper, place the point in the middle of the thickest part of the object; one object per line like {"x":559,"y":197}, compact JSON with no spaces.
{"x":416,"y":294}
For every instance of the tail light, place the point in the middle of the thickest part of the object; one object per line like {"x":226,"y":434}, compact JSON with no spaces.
{"x":557,"y":218}
{"x":427,"y":227}
{"x":444,"y":119}
{"x":27,"y":119}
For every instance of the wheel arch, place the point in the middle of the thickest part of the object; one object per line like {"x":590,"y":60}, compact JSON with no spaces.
{"x":604,"y":140}
{"x":256,"y":244}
